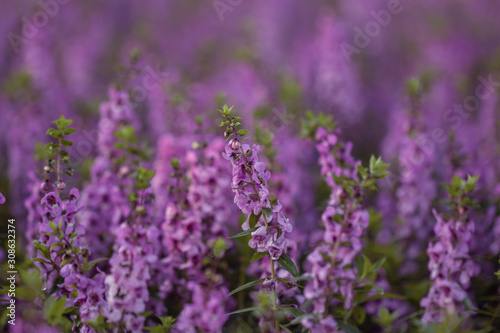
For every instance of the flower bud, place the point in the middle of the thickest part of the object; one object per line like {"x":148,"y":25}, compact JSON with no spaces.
{"x":45,"y":185}
{"x":268,"y":284}
{"x":46,"y":168}
{"x":124,"y":170}
{"x":61,"y":185}
{"x":235,"y":144}
{"x":140,"y":209}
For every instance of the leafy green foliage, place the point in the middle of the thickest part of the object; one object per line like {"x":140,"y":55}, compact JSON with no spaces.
{"x":313,"y":121}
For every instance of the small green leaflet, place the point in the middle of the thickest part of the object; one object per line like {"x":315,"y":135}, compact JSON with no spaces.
{"x":348,"y":328}
{"x":288,"y":264}
{"x":245,"y":286}
{"x":244,"y":233}
{"x":258,"y":255}
{"x":253,"y":308}
{"x":291,"y":310}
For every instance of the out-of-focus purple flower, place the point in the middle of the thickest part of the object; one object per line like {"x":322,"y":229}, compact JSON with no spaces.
{"x":196,"y":219}
{"x":105,"y":196}
{"x":331,"y":264}
{"x":451,"y":269}
{"x":206,"y":312}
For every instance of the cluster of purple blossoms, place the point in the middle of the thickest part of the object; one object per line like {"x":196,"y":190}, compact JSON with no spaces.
{"x":104,"y":197}
{"x":58,"y":213}
{"x":195,"y":222}
{"x":414,"y":197}
{"x":331,"y":263}
{"x":62,"y":242}
{"x":451,"y":269}
{"x":416,"y":187}
{"x":134,"y":256}
{"x":252,"y":195}
{"x":205,"y":312}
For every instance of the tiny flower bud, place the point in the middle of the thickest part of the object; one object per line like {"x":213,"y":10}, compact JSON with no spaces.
{"x":46,"y":168}
{"x":268,"y":284}
{"x":124,"y":170}
{"x":45,"y":186}
{"x":235,"y":144}
{"x":61,"y":185}
{"x":140,"y":209}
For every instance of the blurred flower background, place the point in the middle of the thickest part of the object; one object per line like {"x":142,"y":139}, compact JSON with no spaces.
{"x":413,"y":81}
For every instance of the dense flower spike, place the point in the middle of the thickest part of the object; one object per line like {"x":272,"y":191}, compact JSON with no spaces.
{"x":332,"y":262}
{"x":193,"y":231}
{"x":62,"y":251}
{"x":134,"y":255}
{"x":266,"y":221}
{"x":449,"y":257}
{"x":104,"y":197}
{"x":415,"y":186}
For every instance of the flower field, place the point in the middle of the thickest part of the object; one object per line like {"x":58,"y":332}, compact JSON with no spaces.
{"x":250,"y":166}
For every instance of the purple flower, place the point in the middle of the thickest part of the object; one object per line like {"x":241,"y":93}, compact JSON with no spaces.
{"x":259,"y":239}
{"x":451,"y":269}
{"x":345,"y":222}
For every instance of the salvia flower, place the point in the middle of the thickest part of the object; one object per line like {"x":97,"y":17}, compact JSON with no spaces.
{"x":193,"y":234}
{"x":332,"y":268}
{"x":62,"y":250}
{"x":450,"y":265}
{"x":252,"y":196}
{"x":105,"y":197}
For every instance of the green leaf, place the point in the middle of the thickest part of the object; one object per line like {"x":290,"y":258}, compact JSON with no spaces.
{"x":219,"y":247}
{"x":359,"y":315}
{"x":253,"y":219}
{"x":288,"y":264}
{"x":243,"y":132}
{"x":25,"y":293}
{"x":66,"y":143}
{"x":251,"y":309}
{"x":62,"y":123}
{"x":413,"y":86}
{"x":267,"y":212}
{"x":40,"y":260}
{"x":246,"y":286}
{"x":378,"y":264}
{"x":292,"y":310}
{"x":348,"y":328}
{"x":88,"y":266}
{"x":362,"y":171}
{"x":70,"y":309}
{"x":258,"y":255}
{"x":378,"y":167}
{"x":366,"y":268}
{"x":54,"y":309}
{"x":54,"y":133}
{"x":126,"y":133}
{"x":69,"y":131}
{"x":52,"y":225}
{"x":244,"y":233}
{"x":53,"y":246}
{"x":42,"y":249}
